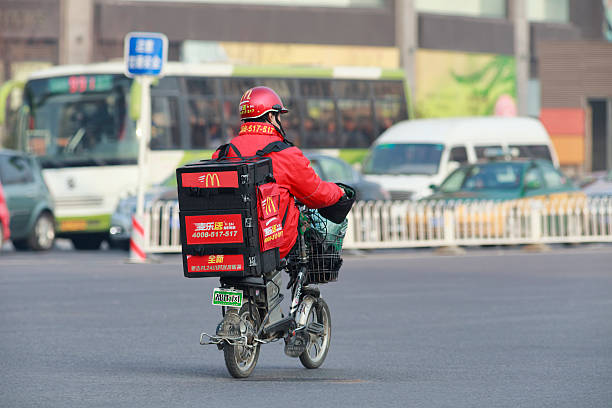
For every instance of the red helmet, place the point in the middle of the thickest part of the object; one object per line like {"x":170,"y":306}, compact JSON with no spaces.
{"x":259,"y":101}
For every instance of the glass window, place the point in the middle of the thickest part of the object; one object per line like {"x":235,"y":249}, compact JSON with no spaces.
{"x":481,"y":151}
{"x":205,"y":123}
{"x":235,"y":87}
{"x":15,"y":170}
{"x":291,"y":121}
{"x":458,"y":154}
{"x":387,"y":89}
{"x":454,"y":182}
{"x":475,"y":8}
{"x":418,"y":158}
{"x":335,"y":171}
{"x":533,"y":151}
{"x":351,"y":89}
{"x":80,"y":120}
{"x":390,"y":103}
{"x":165,"y":132}
{"x":494,"y":176}
{"x":315,"y":87}
{"x":167,"y":84}
{"x":281,"y":86}
{"x":533,"y":176}
{"x":201,"y":86}
{"x":232,"y":120}
{"x":319,"y":124}
{"x":548,"y":10}
{"x":553,"y":178}
{"x":356,"y":123}
{"x":388,"y":112}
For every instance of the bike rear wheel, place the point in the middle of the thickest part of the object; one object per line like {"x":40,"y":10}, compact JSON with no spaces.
{"x":318,"y":344}
{"x":241,"y":360}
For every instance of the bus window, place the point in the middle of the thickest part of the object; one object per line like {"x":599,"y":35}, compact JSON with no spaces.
{"x":235,"y":87}
{"x":167,"y":84}
{"x":389,"y":103}
{"x":319,"y":124}
{"x":356,"y":123}
{"x":351,"y":89}
{"x":200,"y":86}
{"x":232,"y":120}
{"x":388,"y":89}
{"x":315,"y":88}
{"x":205,"y":123}
{"x":281,"y":86}
{"x":164,"y":123}
{"x":79,"y":120}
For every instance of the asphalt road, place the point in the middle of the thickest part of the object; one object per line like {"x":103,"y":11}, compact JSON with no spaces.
{"x":487,"y":329}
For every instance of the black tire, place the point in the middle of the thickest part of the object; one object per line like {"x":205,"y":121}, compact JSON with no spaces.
{"x":87,"y":242}
{"x":42,"y":236}
{"x":239,"y":360}
{"x":318,"y":346}
{"x":21,"y":244}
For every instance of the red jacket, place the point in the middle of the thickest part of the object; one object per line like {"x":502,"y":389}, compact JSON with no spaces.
{"x":293,"y":174}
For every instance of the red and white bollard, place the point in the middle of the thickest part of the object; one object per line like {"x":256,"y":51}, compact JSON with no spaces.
{"x":137,"y":253}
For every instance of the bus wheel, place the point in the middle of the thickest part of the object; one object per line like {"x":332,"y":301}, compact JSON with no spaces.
{"x":86,"y":242}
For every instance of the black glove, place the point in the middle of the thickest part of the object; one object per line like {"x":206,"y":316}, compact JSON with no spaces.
{"x":337,"y":212}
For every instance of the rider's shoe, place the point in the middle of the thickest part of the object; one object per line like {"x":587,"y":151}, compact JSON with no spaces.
{"x":295,"y":343}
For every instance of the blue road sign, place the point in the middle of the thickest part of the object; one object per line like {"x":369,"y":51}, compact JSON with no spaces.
{"x":145,"y":53}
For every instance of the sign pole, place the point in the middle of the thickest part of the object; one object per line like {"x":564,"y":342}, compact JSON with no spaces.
{"x":145,"y":55}
{"x":144,"y":129}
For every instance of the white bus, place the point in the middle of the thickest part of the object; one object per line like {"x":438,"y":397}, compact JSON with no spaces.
{"x":81,"y":123}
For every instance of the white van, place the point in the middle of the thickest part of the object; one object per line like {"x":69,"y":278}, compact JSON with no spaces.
{"x":412,"y":155}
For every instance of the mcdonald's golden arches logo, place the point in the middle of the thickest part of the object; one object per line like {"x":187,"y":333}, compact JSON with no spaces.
{"x":222,"y":179}
{"x":212,"y":178}
{"x":268,"y":206}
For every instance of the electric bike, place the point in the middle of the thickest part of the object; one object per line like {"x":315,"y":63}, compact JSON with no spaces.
{"x":256,"y":317}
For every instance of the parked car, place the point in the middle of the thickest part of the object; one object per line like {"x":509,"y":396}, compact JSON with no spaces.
{"x":121,"y":219}
{"x":411,"y":155}
{"x":598,"y":184}
{"x":514,"y":186}
{"x":338,"y":171}
{"x":504,"y":179}
{"x":5,"y":231}
{"x":29,"y":201}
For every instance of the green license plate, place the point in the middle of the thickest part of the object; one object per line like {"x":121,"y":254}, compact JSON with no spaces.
{"x":227,"y":297}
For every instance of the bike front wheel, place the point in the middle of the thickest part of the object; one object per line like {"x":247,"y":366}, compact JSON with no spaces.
{"x":319,"y":335}
{"x":240,"y":360}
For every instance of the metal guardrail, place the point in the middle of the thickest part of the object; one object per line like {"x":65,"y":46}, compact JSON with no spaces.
{"x":409,"y":224}
{"x":162,"y":227}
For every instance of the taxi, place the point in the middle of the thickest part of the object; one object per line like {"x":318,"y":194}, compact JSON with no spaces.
{"x":490,"y":197}
{"x":505,"y":180}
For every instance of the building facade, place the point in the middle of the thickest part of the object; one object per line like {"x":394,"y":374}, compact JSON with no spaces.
{"x":460,"y":56}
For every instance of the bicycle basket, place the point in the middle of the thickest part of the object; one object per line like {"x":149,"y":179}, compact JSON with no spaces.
{"x":323,"y":245}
